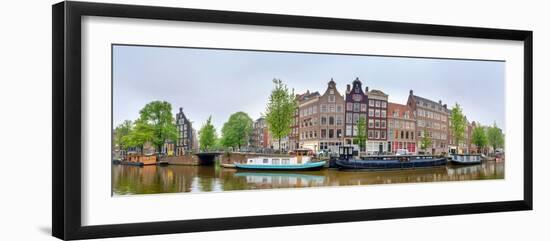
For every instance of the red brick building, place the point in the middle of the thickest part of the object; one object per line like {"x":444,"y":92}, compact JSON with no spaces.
{"x":401,"y":128}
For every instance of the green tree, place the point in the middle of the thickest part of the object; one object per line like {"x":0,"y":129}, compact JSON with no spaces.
{"x":361,"y":136}
{"x":280,"y":111}
{"x":236,"y":130}
{"x":122,"y":133}
{"x":207,"y":135}
{"x":458,"y":124}
{"x":479,"y":138}
{"x":139,"y":135}
{"x":425,"y":143}
{"x":156,"y":117}
{"x":495,"y":138}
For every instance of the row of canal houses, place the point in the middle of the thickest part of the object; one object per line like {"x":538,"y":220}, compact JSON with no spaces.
{"x":325,"y":121}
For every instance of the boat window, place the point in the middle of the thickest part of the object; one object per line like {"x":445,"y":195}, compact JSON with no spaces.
{"x":275,"y":161}
{"x":265,"y":161}
{"x":286,"y":161}
{"x":250,"y":161}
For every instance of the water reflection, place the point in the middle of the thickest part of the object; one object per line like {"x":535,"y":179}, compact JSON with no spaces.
{"x":170,"y":179}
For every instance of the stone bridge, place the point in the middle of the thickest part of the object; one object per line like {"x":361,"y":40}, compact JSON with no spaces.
{"x":209,"y":158}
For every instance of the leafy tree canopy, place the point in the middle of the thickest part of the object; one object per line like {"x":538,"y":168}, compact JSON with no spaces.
{"x":458,"y":123}
{"x":236,"y":131}
{"x":207,"y":135}
{"x":479,"y":137}
{"x":280,"y":110}
{"x":156,"y":123}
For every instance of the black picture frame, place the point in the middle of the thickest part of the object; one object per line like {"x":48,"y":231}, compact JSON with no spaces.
{"x":66,"y":127}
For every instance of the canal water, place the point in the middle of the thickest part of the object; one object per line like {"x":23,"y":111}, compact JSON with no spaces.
{"x":170,"y":179}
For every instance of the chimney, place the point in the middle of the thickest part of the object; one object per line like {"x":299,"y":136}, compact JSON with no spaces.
{"x":366,"y":89}
{"x":181,"y":109}
{"x":445,"y":106}
{"x":439,"y":102}
{"x":410,"y":92}
{"x":348,"y":88}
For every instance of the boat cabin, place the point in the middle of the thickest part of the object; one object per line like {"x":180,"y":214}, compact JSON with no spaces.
{"x":347,"y":152}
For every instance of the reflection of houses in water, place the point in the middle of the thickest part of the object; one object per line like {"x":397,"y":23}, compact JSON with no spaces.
{"x":282,"y":179}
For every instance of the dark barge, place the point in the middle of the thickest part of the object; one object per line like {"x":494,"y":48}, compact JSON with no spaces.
{"x":346,"y":161}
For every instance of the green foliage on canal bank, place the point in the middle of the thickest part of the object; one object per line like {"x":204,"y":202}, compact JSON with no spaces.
{"x":280,"y":111}
{"x":479,"y":137}
{"x":495,"y":137}
{"x":236,"y":131}
{"x":458,"y":124}
{"x":207,"y":135}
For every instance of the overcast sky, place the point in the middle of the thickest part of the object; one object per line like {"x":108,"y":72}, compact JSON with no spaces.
{"x":220,"y":82}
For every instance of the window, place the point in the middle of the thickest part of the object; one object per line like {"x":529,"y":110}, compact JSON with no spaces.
{"x":383,"y":113}
{"x":383,"y":104}
{"x":339,"y":108}
{"x":331,"y":97}
{"x":355,"y":131}
{"x":323,"y":133}
{"x":382,"y":135}
{"x":402,"y":135}
{"x":323,"y":108}
{"x":371,"y":123}
{"x":356,"y":107}
{"x":348,"y":130}
{"x":331,"y":107}
{"x":355,"y":118}
{"x":377,"y":123}
{"x":314,"y":109}
{"x":363,"y":107}
{"x":331,"y":133}
{"x":331,"y":91}
{"x":371,"y":134}
{"x":376,"y":134}
{"x":331,"y":120}
{"x":371,"y":112}
{"x":286,"y":161}
{"x":371,"y":103}
{"x":339,"y":120}
{"x":275,"y":161}
{"x":349,"y":118}
{"x":377,"y":113}
{"x":265,"y":161}
{"x":339,"y":133}
{"x":383,"y":124}
{"x":323,"y":120}
{"x":377,"y":103}
{"x":349,"y":106}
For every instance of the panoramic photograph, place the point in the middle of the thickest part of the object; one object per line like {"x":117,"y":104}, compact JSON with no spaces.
{"x":195,"y":120}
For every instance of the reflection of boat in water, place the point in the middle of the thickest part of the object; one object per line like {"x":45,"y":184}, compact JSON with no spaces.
{"x":301,"y":161}
{"x":465,"y":159}
{"x":281,"y":178}
{"x":346,"y":160}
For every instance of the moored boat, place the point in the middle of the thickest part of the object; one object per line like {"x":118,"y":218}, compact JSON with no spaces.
{"x":301,"y":161}
{"x":465,"y":159}
{"x":386,"y":162}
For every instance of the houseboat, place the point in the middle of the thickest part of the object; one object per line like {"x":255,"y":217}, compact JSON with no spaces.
{"x":465,"y":159}
{"x":301,"y":161}
{"x":347,"y":161}
{"x":140,"y":160}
